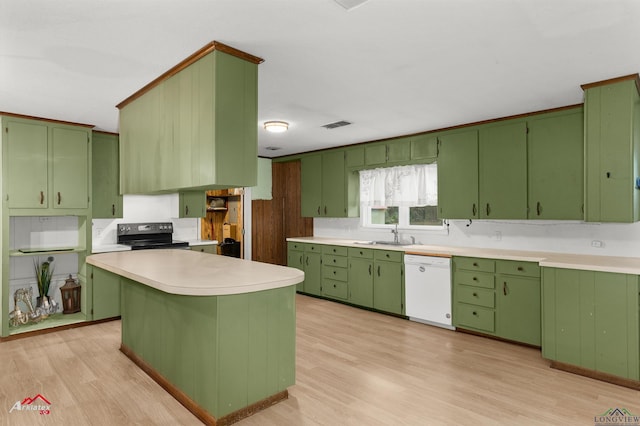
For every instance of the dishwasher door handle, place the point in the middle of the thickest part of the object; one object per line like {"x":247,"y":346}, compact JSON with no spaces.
{"x":422,"y":269}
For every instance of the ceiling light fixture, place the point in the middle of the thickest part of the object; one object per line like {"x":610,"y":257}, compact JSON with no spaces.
{"x":276,"y":126}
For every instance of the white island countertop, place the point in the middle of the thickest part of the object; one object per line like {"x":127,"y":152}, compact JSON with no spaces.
{"x":193,"y":273}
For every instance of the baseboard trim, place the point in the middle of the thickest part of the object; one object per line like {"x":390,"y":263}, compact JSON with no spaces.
{"x":598,"y":375}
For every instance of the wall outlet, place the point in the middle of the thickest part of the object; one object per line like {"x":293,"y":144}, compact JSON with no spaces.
{"x":597,"y":244}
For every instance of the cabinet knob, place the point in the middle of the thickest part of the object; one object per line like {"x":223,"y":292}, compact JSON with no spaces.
{"x":475,"y":264}
{"x":475,"y":278}
{"x":475,"y":313}
{"x":475,"y":294}
{"x":520,"y":268}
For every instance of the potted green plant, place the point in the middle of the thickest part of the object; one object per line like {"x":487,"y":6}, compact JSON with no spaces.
{"x":44,"y":273}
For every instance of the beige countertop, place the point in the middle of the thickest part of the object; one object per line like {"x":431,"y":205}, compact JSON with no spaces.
{"x":193,"y":273}
{"x":626,"y":265}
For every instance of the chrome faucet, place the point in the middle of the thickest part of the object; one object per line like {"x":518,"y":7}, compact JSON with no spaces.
{"x":395,"y":234}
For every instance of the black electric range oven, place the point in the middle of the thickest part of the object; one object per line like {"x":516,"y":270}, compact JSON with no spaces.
{"x":144,"y":236}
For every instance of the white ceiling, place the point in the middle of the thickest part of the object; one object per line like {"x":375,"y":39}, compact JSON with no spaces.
{"x":391,"y":67}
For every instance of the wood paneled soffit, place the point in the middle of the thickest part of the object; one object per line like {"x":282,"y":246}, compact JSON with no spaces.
{"x":202,"y":52}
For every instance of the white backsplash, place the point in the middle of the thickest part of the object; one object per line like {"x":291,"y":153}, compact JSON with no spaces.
{"x":551,"y":236}
{"x":146,"y":208}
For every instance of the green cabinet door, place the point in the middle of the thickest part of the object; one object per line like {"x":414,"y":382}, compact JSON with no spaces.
{"x":311,"y":185}
{"x":388,"y":285}
{"x":611,"y":145}
{"x":518,"y":309}
{"x":361,"y":282}
{"x":398,"y":151}
{"x":354,"y":157}
{"x":295,"y":259}
{"x":333,"y":184}
{"x":313,"y":273}
{"x":375,"y":154}
{"x":458,"y":176}
{"x":591,"y":320}
{"x":424,"y":147}
{"x":70,"y":164}
{"x":503,"y":171}
{"x":105,"y":171}
{"x":106,"y":294}
{"x":192,"y":204}
{"x":556,"y":166}
{"x":27,"y":164}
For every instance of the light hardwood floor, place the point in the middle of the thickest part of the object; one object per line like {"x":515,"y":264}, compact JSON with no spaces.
{"x":354,"y":367}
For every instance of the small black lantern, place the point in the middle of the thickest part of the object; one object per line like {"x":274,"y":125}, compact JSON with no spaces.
{"x":70,"y":296}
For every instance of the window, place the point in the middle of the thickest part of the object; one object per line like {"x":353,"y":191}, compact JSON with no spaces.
{"x":405,"y":195}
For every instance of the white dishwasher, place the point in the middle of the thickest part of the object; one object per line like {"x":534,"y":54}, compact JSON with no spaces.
{"x":428,"y":289}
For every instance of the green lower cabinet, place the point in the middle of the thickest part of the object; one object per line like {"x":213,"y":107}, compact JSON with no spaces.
{"x":591,"y":320}
{"x":308,"y":258}
{"x":388,"y":281}
{"x":518,"y":308}
{"x":361,"y":280}
{"x":498,"y":297}
{"x":335,"y":275}
{"x":106,"y":294}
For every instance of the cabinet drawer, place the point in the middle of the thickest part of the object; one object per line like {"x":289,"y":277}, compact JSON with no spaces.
{"x":336,"y":289}
{"x":476,"y":296}
{"x":335,"y":273}
{"x":337,"y":250}
{"x":393,"y":256}
{"x":511,"y":267}
{"x":476,"y":279}
{"x":475,"y":317}
{"x":313,"y":247}
{"x":360,"y":253}
{"x":292,"y":245}
{"x":330,"y":260}
{"x":475,"y":264}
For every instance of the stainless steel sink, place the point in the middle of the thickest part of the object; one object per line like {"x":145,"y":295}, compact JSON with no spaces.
{"x":385,"y":243}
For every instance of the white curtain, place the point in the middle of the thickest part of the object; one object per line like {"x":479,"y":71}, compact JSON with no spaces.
{"x":415,"y":185}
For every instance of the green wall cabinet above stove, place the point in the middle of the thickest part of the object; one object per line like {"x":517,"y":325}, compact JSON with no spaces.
{"x":107,"y":200}
{"x":47,"y":167}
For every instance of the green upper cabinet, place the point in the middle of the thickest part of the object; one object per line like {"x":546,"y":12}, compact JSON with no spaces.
{"x":390,"y":153}
{"x":323,"y":181}
{"x":311,"y":185}
{"x":195,"y":128}
{"x":192,"y":204}
{"x":424,"y":147}
{"x":612,"y":146}
{"x":458,"y":175}
{"x":503,"y":171}
{"x":354,"y":157}
{"x":556,"y":165}
{"x":48,"y":166}
{"x":107,"y":200}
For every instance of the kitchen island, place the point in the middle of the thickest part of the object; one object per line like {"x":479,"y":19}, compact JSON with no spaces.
{"x":216,"y":332}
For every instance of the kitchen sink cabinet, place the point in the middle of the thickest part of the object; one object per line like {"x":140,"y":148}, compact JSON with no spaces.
{"x":323,"y":183}
{"x":502,"y":178}
{"x":388,"y":281}
{"x":458,"y":175}
{"x":107,"y":200}
{"x":106,"y":293}
{"x":361,"y":277}
{"x":556,"y":165}
{"x":498,"y":297}
{"x":591,"y":320}
{"x":192,"y":204}
{"x":48,"y":166}
{"x":612,"y":148}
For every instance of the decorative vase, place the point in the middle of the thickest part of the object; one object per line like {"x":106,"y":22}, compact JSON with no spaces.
{"x":42,"y":302}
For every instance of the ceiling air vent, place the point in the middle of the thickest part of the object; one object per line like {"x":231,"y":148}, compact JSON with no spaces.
{"x":350,"y":4}
{"x":336,"y":124}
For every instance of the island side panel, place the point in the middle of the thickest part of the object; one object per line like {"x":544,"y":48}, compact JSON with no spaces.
{"x":262,"y":326}
{"x":223,"y":352}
